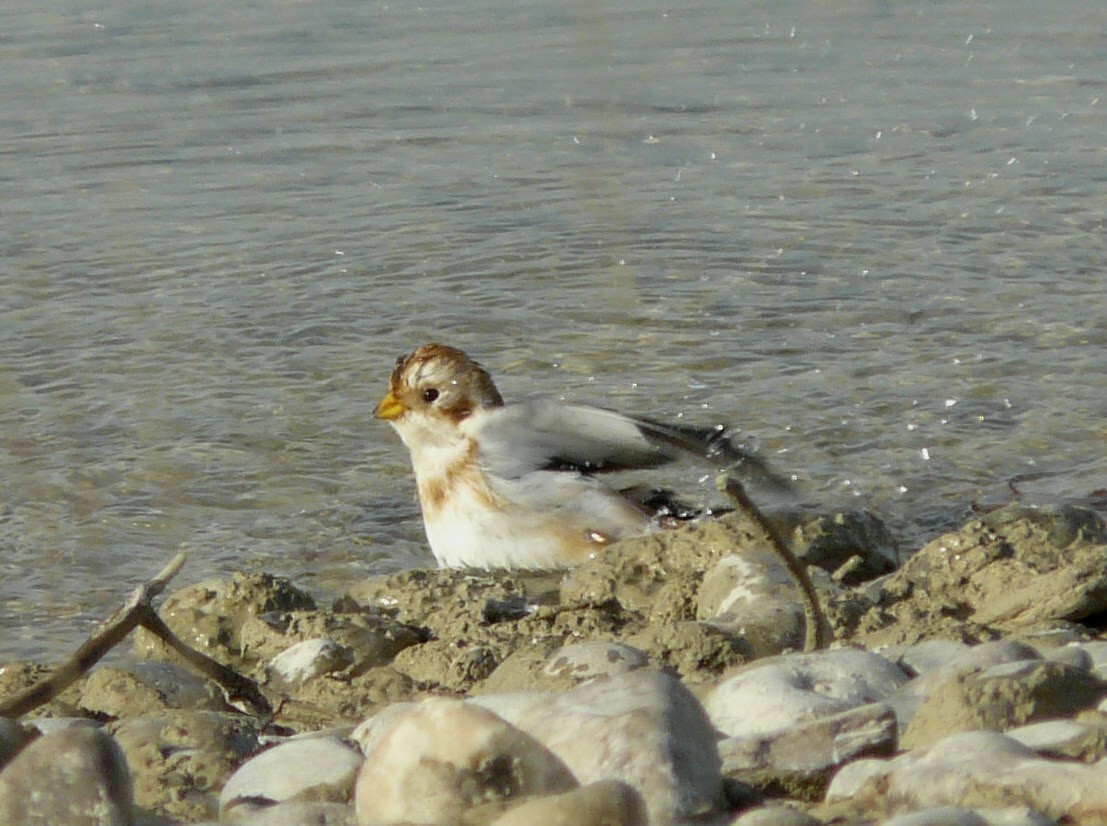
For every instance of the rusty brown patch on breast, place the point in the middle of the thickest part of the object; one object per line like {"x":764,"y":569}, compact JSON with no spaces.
{"x":464,"y":474}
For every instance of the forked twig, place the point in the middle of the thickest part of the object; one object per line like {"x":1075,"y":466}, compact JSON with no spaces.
{"x":818,"y":633}
{"x":239,"y":689}
{"x":134,"y":613}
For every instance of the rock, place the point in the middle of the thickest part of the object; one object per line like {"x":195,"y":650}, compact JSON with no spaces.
{"x":513,"y":706}
{"x":854,"y":542}
{"x":588,"y":660}
{"x":1072,"y":655}
{"x":301,"y":769}
{"x":525,"y":669}
{"x":643,"y":728}
{"x":1004,"y":696}
{"x":16,"y":677}
{"x":441,"y":757}
{"x":774,"y":815}
{"x":854,"y":779}
{"x":292,"y":813}
{"x":76,"y":777}
{"x":209,"y":615}
{"x":50,"y":725}
{"x":1097,"y":650}
{"x":697,"y":651}
{"x":976,"y":658}
{"x":767,"y":696}
{"x":1016,"y":568}
{"x":963,"y":660}
{"x":444,"y":600}
{"x":925,"y":657}
{"x":938,"y":816}
{"x":348,"y":641}
{"x":604,"y":803}
{"x":976,"y":770}
{"x":755,"y":595}
{"x":179,"y":760}
{"x":140,"y":687}
{"x":490,"y":635}
{"x":13,"y":737}
{"x":813,"y":747}
{"x":326,"y":701}
{"x":1051,"y":529}
{"x":955,"y":816}
{"x":309,"y":659}
{"x":368,"y":735}
{"x":451,"y":664}
{"x":660,"y":575}
{"x":1063,"y":738}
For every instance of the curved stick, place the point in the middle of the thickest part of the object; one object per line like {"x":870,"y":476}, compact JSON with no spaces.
{"x":818,"y":633}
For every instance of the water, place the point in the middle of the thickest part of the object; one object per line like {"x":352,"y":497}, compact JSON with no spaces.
{"x":870,"y":234}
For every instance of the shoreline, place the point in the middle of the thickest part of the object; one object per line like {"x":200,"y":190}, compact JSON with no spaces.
{"x":659,"y":683}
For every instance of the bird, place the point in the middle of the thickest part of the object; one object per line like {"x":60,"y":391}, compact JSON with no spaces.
{"x":517,"y":486}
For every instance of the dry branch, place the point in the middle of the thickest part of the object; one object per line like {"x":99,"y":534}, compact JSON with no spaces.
{"x":818,"y":633}
{"x":134,"y":613}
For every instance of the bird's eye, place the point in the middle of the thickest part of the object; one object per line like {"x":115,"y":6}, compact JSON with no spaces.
{"x":430,"y":395}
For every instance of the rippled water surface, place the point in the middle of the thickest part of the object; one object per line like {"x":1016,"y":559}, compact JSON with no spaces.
{"x":870,"y":234}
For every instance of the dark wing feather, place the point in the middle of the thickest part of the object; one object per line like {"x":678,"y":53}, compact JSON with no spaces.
{"x":542,"y":434}
{"x":716,"y":445}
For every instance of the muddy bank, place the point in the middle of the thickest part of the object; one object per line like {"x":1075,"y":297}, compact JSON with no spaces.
{"x":660,"y":683}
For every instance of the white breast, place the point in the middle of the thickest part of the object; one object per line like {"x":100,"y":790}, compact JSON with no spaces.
{"x":541,"y":520}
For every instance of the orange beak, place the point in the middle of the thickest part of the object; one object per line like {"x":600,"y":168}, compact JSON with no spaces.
{"x":390,"y":407}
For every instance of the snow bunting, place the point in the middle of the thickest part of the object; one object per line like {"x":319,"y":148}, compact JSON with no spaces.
{"x":514,"y":486}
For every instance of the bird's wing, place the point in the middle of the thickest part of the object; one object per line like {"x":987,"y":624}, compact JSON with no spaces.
{"x":542,"y":434}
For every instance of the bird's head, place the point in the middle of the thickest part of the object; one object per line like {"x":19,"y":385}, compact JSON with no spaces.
{"x":434,"y":389}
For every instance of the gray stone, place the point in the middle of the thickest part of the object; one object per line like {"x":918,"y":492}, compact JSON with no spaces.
{"x":814,"y":746}
{"x":774,"y":816}
{"x":955,"y":816}
{"x":135,"y":688}
{"x":853,"y":541}
{"x":51,"y":725}
{"x":76,"y":777}
{"x":924,"y":657}
{"x":316,"y":768}
{"x":643,"y":728}
{"x":180,"y":759}
{"x":857,"y":777}
{"x":978,"y":770}
{"x":1097,"y":650}
{"x":588,"y":660}
{"x":940,"y":662}
{"x":755,"y":595}
{"x":1074,"y":655}
{"x":440,"y":757}
{"x":1059,"y":737}
{"x":370,"y":732}
{"x":605,"y":803}
{"x":1015,"y":568}
{"x":309,"y":659}
{"x":938,"y":816}
{"x":12,"y":738}
{"x":511,"y":705}
{"x":292,"y":813}
{"x":1004,"y":696}
{"x":981,"y":657}
{"x":770,"y":695}
{"x":1016,"y":816}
